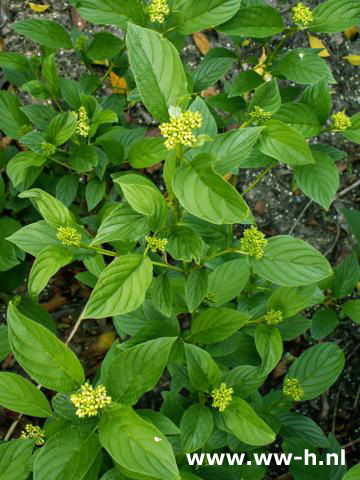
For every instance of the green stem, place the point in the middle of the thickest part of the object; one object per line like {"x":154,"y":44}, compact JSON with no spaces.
{"x":224,"y":252}
{"x":107,"y":73}
{"x":65,"y":165}
{"x":166,"y":265}
{"x":280,"y":44}
{"x":258,"y":179}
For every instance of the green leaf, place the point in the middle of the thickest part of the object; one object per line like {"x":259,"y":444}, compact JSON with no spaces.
{"x":121,"y":287}
{"x":52,"y":210}
{"x":290,"y":300}
{"x":318,"y":97}
{"x":20,"y":395}
{"x":46,"y":32}
{"x":215,"y":324}
{"x":291,"y":262}
{"x":66,"y":189}
{"x":204,"y":374}
{"x":196,"y":426}
{"x":34,"y":238}
{"x":209,"y":126}
{"x":112,"y":12}
{"x":162,"y":422}
{"x":353,"y":473}
{"x":295,"y":425}
{"x":19,"y":166}
{"x":302,"y":65}
{"x":258,"y":21}
{"x":205,"y":194}
{"x":269,"y":345}
{"x":353,"y":220}
{"x":195,"y":288}
{"x":346,"y":276}
{"x":136,"y":445}
{"x":5,"y":348}
{"x":352,"y":310}
{"x":353,"y":133}
{"x":292,"y":327}
{"x":141,"y":367}
{"x":284,"y":144}
{"x":61,"y":128}
{"x":69,"y":453}
{"x":317,"y":369}
{"x":241,"y":420}
{"x":42,"y":355}
{"x":267,"y":96}
{"x":228,"y":280}
{"x":39,"y":115}
{"x":50,"y":75}
{"x":94,"y":192}
{"x":300,"y":117}
{"x":319,"y":181}
{"x":212,"y":67}
{"x":45,"y":266}
{"x":83,"y":158}
{"x":15,"y":459}
{"x":203,"y":14}
{"x":36,"y":89}
{"x":324,"y":322}
{"x":244,"y":82}
{"x":15,"y":61}
{"x":157,"y":68}
{"x":162,"y":294}
{"x":145,"y":198}
{"x":335,"y":16}
{"x":148,"y":152}
{"x":245,"y":379}
{"x":104,"y":45}
{"x":122,"y":223}
{"x":11,"y":116}
{"x":184,"y":244}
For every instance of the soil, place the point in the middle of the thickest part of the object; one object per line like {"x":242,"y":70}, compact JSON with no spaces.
{"x":278,"y":207}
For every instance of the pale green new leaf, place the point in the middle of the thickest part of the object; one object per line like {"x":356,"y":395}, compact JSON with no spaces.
{"x":141,"y":368}
{"x":291,"y":262}
{"x":121,"y":287}
{"x":205,"y":194}
{"x":20,"y":395}
{"x":42,"y":355}
{"x":48,"y":262}
{"x":157,"y":68}
{"x":136,"y":445}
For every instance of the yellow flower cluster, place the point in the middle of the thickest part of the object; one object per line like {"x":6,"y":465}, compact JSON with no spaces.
{"x":158,"y":11}
{"x":31,"y":431}
{"x":48,"y":148}
{"x":16,"y":300}
{"x":179,"y":130}
{"x":259,"y":115}
{"x":222,"y":397}
{"x":83,"y":127}
{"x":341,"y":121}
{"x":209,"y":298}
{"x":68,"y":236}
{"x":24,"y":129}
{"x":81,"y":43}
{"x":293,"y":389}
{"x":273,"y":317}
{"x":154,"y":244}
{"x":302,"y":15}
{"x":89,"y":400}
{"x":253,"y":242}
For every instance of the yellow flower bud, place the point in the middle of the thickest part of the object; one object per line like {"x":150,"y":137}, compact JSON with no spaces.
{"x":156,"y":244}
{"x":259,"y":115}
{"x":341,"y":121}
{"x":89,"y":400}
{"x":253,"y":242}
{"x":273,"y":317}
{"x":83,"y":127}
{"x":31,"y":431}
{"x":302,"y":15}
{"x":69,"y":236}
{"x":158,"y":11}
{"x":222,"y":397}
{"x":293,"y":389}
{"x":179,"y":130}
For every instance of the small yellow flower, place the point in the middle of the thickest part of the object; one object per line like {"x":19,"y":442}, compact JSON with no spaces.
{"x":158,"y":11}
{"x":179,"y":131}
{"x":341,"y":121}
{"x":273,"y":317}
{"x":302,"y":15}
{"x":81,"y":43}
{"x":69,"y":236}
{"x":222,"y":397}
{"x":260,"y":115}
{"x":253,"y":242}
{"x":24,"y":129}
{"x":293,"y":389}
{"x":154,"y":244}
{"x":83,"y":127}
{"x":16,"y":300}
{"x":89,"y":400}
{"x":48,"y":148}
{"x":209,"y":298}
{"x":31,"y":431}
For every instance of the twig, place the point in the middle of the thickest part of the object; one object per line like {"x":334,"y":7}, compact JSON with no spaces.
{"x":350,"y":444}
{"x":347,"y":189}
{"x":338,"y":231}
{"x":258,"y":178}
{"x":300,"y":217}
{"x":333,"y":425}
{"x":12,"y":427}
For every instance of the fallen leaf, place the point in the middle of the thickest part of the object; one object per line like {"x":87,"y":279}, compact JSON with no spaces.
{"x":260,"y":207}
{"x":104,"y":341}
{"x":118,"y":83}
{"x":260,"y":67}
{"x":38,"y":7}
{"x":353,"y":59}
{"x":55,"y":302}
{"x":315,"y":42}
{"x":201,"y":42}
{"x":351,"y":32}
{"x":209,"y":92}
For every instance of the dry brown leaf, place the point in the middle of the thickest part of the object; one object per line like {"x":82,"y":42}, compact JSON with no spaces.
{"x":77,"y":20}
{"x":118,"y":84}
{"x":209,"y":92}
{"x":38,"y":7}
{"x":351,"y":32}
{"x":353,"y":59}
{"x":55,"y":302}
{"x":260,"y":67}
{"x":315,"y":42}
{"x":104,"y":341}
{"x":201,"y":41}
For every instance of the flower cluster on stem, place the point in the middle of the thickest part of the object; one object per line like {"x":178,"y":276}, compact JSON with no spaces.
{"x":253,"y":242}
{"x":222,"y":397}
{"x":293,"y":389}
{"x":83,"y":127}
{"x":302,"y":15}
{"x":89,"y":401}
{"x":179,"y":131}
{"x":340,"y":121}
{"x":259,"y":115}
{"x":68,"y":236}
{"x":155,"y":244}
{"x":48,"y":148}
{"x":31,"y":431}
{"x":158,"y":11}
{"x":273,"y":317}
